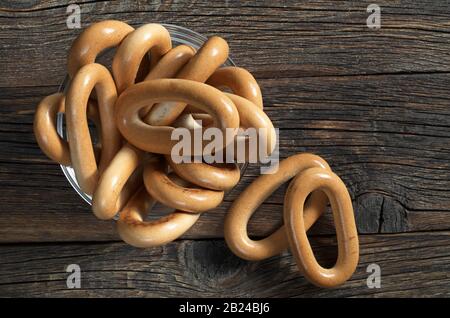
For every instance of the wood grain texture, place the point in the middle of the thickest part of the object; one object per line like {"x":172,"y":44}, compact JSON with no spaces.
{"x":271,"y":39}
{"x":411,"y":265}
{"x":373,"y":103}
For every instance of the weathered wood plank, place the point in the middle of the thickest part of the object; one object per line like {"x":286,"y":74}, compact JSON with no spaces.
{"x":412,"y":265}
{"x":373,"y":103}
{"x":387,"y":136}
{"x":272,"y":40}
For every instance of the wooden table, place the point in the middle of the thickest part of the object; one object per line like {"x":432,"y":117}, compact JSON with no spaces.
{"x":373,"y":103}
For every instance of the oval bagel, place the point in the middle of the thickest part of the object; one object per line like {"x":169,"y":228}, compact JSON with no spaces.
{"x":168,"y":192}
{"x":261,"y":188}
{"x":46,"y":134}
{"x":134,"y":230}
{"x":220,"y":177}
{"x":157,"y":139}
{"x":341,"y":205}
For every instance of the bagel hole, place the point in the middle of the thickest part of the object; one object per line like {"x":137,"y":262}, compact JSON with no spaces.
{"x":95,"y":138}
{"x":144,"y":68}
{"x":95,"y":135}
{"x":268,"y":217}
{"x":105,"y":58}
{"x":322,"y":237}
{"x":157,"y":211}
{"x":225,"y":89}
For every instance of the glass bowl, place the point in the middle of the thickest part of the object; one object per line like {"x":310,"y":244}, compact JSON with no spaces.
{"x":179,"y":35}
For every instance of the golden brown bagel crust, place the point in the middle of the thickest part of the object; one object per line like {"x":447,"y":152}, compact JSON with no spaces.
{"x":94,"y":40}
{"x":46,"y":133}
{"x":156,"y":139}
{"x":245,"y":205}
{"x":112,"y":181}
{"x":81,"y":151}
{"x":220,"y":177}
{"x":240,"y":81}
{"x":347,"y":236}
{"x":166,"y":191}
{"x":126,"y":61}
{"x":139,"y":233}
{"x":208,"y":58}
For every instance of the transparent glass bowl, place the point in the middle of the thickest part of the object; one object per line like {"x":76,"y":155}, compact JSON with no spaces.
{"x":179,"y":36}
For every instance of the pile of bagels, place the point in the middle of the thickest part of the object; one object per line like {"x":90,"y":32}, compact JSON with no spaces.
{"x":153,"y":89}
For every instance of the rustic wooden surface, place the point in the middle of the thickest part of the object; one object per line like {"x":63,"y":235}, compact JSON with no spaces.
{"x":373,"y":103}
{"x":412,"y":264}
